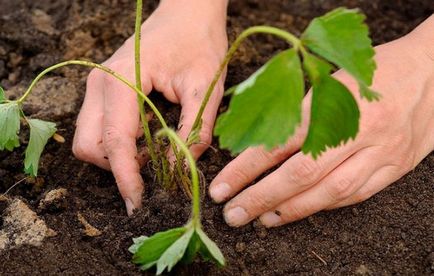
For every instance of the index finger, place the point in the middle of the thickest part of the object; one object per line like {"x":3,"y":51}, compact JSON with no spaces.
{"x":121,"y":121}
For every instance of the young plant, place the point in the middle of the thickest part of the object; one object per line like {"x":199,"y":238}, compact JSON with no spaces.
{"x":165,"y":249}
{"x":265,"y":109}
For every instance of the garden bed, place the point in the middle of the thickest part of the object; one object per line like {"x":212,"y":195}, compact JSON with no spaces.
{"x":392,"y":233}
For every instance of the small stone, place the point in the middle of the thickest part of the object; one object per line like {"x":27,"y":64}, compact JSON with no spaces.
{"x":43,"y":22}
{"x":363,"y":270}
{"x":355,"y":211}
{"x":240,"y":247}
{"x":89,"y":230}
{"x":21,"y":226}
{"x":15,"y":59}
{"x":79,"y":44}
{"x":54,"y":197}
{"x":13,"y":77}
{"x":260,"y":229}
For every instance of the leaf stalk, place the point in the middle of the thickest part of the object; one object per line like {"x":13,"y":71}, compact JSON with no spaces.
{"x":288,"y":37}
{"x":102,"y":68}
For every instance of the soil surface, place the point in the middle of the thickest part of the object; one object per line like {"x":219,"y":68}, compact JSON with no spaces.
{"x":89,"y":232}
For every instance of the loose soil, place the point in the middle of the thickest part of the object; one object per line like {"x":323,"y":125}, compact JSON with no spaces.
{"x":392,"y":233}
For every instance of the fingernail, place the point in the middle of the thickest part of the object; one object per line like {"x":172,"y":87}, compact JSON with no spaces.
{"x":130,"y":206}
{"x":220,"y":192}
{"x":270,"y":219}
{"x":236,"y":216}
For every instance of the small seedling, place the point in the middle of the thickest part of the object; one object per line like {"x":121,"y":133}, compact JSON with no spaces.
{"x":265,"y":109}
{"x":165,"y":249}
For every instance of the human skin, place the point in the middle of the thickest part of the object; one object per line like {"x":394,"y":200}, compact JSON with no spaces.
{"x":396,"y":133}
{"x":183,"y":43}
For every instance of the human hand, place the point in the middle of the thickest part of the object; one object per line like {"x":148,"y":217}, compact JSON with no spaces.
{"x":396,"y":133}
{"x":183,"y":43}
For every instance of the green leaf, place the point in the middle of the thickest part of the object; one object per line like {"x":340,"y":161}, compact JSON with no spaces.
{"x":2,"y":95}
{"x":40,"y":132}
{"x":341,"y":37}
{"x":368,"y":93}
{"x":153,"y":247}
{"x":266,"y":108}
{"x":174,"y":253}
{"x":137,"y":242}
{"x":210,"y":250}
{"x":334,"y":112}
{"x":192,"y":249}
{"x":9,"y":125}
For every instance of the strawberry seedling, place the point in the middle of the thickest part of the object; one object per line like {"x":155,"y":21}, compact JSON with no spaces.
{"x":265,"y":109}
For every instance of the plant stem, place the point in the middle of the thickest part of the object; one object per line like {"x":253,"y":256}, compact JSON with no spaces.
{"x":145,"y":124}
{"x":288,"y":37}
{"x":193,"y":170}
{"x":102,"y":68}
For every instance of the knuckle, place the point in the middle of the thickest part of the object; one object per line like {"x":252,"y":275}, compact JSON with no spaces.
{"x":406,"y":162}
{"x":305,"y":171}
{"x":275,"y":156}
{"x":375,"y":121}
{"x":340,"y":189}
{"x":111,"y":138}
{"x":117,"y":65}
{"x":82,"y":151}
{"x":399,"y":141}
{"x":205,"y":135}
{"x":239,"y":174}
{"x":120,"y":67}
{"x":93,"y":75}
{"x":260,"y":201}
{"x":293,"y":212}
{"x":363,"y":195}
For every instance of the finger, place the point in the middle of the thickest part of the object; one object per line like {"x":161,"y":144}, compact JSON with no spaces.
{"x":246,"y":167}
{"x":87,"y":145}
{"x":121,"y":121}
{"x":380,"y":180}
{"x":193,"y":93}
{"x":253,"y":162}
{"x":335,"y":187}
{"x":140,"y":131}
{"x":296,"y":175}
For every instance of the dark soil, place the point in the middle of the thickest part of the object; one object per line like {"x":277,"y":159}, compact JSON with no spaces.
{"x":392,"y":233}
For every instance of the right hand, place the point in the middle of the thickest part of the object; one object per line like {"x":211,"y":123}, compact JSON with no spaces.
{"x":183,"y":43}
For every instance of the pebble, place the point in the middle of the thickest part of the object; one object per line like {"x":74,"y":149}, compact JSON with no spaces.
{"x":89,"y":230}
{"x":22,"y":226}
{"x":240,"y":247}
{"x":53,"y":198}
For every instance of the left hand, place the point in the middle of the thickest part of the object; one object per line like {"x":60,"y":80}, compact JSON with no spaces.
{"x":396,"y":133}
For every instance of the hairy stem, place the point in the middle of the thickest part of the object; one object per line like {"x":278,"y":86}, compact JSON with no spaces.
{"x":145,"y":124}
{"x":290,"y":38}
{"x":102,"y":68}
{"x":193,"y":170}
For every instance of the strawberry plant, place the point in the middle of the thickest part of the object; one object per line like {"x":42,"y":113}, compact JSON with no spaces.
{"x":265,"y":109}
{"x":165,"y":249}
